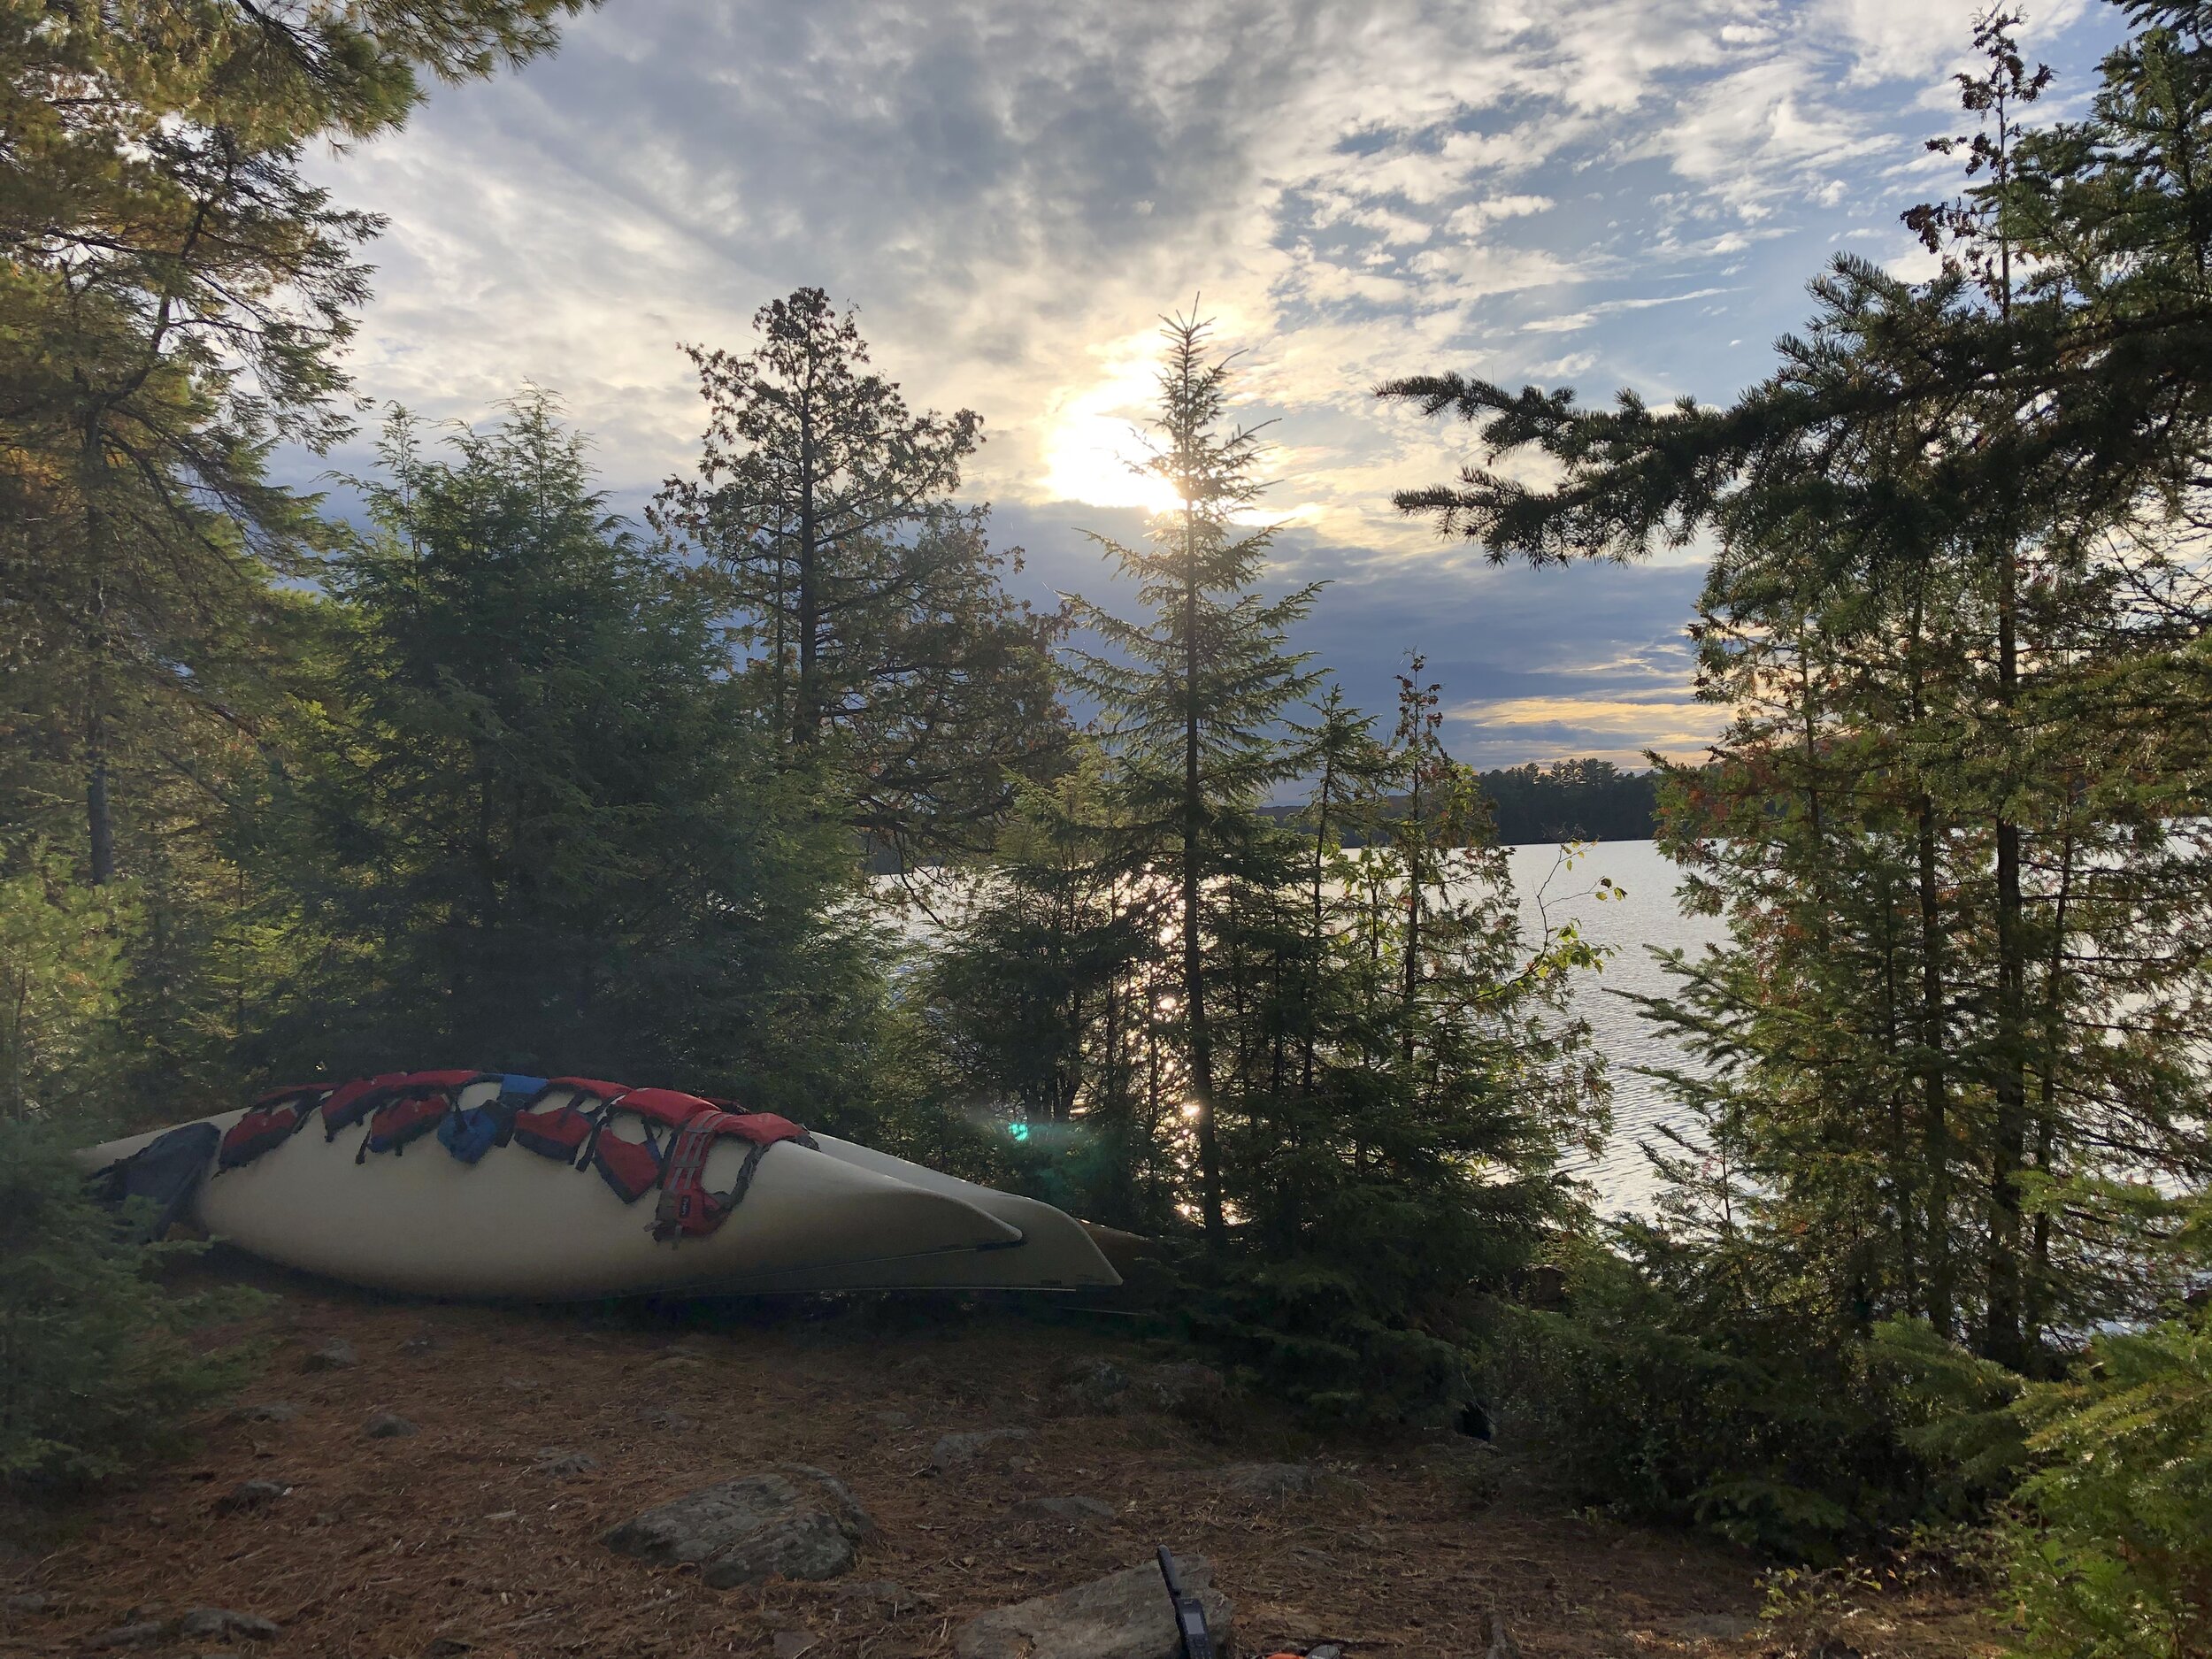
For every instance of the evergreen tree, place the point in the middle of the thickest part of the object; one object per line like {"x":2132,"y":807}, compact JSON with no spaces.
{"x":176,"y":294}
{"x":1944,"y":827}
{"x":174,"y":298}
{"x":870,"y":604}
{"x":1405,"y":1153}
{"x":1194,"y":698}
{"x":1044,"y":993}
{"x":541,"y":828}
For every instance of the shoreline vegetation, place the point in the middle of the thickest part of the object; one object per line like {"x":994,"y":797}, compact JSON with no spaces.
{"x":1533,"y":804}
{"x":499,"y":778}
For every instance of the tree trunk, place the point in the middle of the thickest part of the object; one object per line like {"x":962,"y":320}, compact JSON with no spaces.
{"x":1935,"y":1094}
{"x":99,"y":820}
{"x":806,"y":716}
{"x":1202,"y":1053}
{"x":2004,"y":1340}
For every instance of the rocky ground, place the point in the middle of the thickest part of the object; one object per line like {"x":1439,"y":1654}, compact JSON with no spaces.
{"x":418,"y":1480}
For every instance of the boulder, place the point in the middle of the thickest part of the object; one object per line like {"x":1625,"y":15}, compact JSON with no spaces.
{"x":335,"y":1355}
{"x":1123,"y":1616}
{"x":957,"y":1451}
{"x":1098,"y":1387}
{"x":389,"y":1426}
{"x":790,"y":1518}
{"x":561,"y":1464}
{"x":251,"y":1494}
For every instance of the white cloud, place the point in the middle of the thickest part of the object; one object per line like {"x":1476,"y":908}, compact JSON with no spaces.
{"x":1012,"y":193}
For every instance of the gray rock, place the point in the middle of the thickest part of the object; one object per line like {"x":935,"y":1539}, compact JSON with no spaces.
{"x":251,"y":1494}
{"x":1094,"y":1384}
{"x":389,"y":1426}
{"x":1123,"y":1615}
{"x":1076,"y":1509}
{"x":560,"y":1464}
{"x":1180,"y":1388}
{"x":879,"y":1595}
{"x":790,"y":1518}
{"x":1326,"y":1650}
{"x":203,"y":1622}
{"x":1270,"y":1480}
{"x":143,"y":1634}
{"x":268,"y":1411}
{"x":335,"y":1355}
{"x":957,"y":1451}
{"x":894,"y":1420}
{"x":1498,"y":1639}
{"x":32,"y":1601}
{"x":790,"y":1644}
{"x":666,"y":1418}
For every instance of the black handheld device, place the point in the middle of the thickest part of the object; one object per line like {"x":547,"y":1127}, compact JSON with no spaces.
{"x":1190,"y":1617}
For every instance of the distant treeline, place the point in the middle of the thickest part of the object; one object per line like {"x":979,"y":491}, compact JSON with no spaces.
{"x":1570,"y":799}
{"x":1573,"y":800}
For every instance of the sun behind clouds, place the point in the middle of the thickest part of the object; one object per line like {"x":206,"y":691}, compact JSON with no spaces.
{"x":1095,"y":446}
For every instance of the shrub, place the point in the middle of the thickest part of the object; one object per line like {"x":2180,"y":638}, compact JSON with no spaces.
{"x":1662,"y":1393}
{"x":96,"y":1372}
{"x":2112,"y":1546}
{"x":61,"y":979}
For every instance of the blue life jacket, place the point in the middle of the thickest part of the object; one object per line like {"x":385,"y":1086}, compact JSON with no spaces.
{"x":469,"y":1134}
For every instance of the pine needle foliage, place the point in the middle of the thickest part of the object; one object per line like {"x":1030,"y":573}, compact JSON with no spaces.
{"x":97,"y":1370}
{"x":1194,"y":694}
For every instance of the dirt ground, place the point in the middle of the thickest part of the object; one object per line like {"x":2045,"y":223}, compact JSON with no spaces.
{"x":459,"y":1539}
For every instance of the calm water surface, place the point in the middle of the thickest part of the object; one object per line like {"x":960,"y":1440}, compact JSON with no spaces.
{"x":1647,"y":915}
{"x":1643,"y":915}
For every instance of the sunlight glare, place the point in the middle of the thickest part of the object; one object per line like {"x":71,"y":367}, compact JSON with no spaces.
{"x":1097,"y":435}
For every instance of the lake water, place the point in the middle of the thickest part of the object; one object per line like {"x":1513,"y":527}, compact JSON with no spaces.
{"x":1647,"y":916}
{"x":1643,"y":914}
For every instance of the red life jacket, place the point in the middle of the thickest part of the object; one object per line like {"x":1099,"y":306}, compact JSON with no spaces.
{"x":563,"y":1131}
{"x":268,"y":1124}
{"x":686,"y":1208}
{"x":632,"y":1168}
{"x":412,"y":1106}
{"x":349,"y":1102}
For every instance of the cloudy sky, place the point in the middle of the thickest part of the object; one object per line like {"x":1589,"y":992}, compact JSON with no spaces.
{"x":1593,"y":193}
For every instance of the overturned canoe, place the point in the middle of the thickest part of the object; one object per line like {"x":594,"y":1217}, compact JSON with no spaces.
{"x":469,"y":1184}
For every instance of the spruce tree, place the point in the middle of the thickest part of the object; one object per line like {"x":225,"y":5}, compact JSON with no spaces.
{"x":538,"y":827}
{"x":1195,"y":696}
